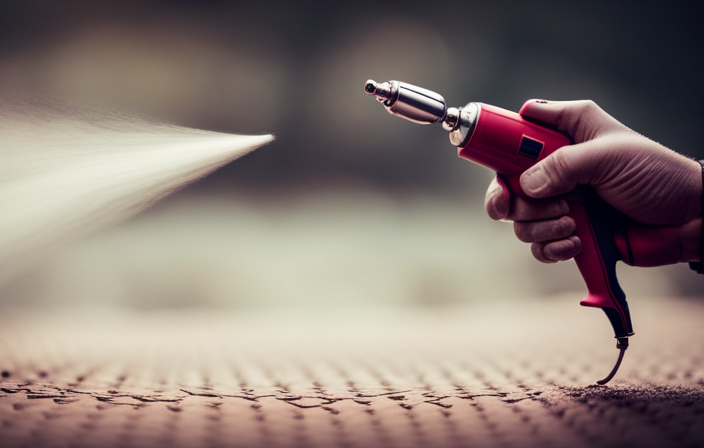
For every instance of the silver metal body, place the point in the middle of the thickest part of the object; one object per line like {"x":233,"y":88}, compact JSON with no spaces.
{"x":424,"y":106}
{"x":411,"y":102}
{"x":463,"y":126}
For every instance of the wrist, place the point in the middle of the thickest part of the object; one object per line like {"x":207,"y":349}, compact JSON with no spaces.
{"x":691,"y":241}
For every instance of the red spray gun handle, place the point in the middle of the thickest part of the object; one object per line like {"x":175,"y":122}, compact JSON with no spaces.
{"x":596,"y":227}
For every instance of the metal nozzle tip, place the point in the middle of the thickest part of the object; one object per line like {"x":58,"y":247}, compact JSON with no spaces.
{"x":383,"y":92}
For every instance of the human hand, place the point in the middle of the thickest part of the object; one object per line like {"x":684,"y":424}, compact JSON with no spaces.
{"x":646,"y":181}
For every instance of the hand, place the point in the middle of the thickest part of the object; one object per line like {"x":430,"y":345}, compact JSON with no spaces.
{"x":644,"y":180}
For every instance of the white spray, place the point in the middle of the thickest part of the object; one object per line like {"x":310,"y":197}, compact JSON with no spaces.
{"x":66,"y":170}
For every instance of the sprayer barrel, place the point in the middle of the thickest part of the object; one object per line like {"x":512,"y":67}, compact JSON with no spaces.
{"x":411,"y":102}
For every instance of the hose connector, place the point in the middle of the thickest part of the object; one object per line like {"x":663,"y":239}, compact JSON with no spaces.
{"x":622,"y":345}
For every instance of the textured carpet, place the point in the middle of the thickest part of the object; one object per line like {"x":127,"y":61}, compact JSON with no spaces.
{"x":505,"y":375}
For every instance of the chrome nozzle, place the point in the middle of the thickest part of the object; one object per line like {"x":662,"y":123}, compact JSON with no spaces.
{"x":423,"y":106}
{"x":411,"y":102}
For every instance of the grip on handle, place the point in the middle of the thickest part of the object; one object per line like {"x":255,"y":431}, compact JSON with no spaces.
{"x":598,"y":224}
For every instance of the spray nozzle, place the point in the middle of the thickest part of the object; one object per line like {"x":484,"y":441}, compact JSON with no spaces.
{"x":411,"y":102}
{"x":370,"y":87}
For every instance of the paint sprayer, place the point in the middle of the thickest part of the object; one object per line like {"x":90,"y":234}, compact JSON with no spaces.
{"x":509,"y":144}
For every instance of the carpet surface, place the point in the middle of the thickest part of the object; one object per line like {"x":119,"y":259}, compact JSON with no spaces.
{"x":504,"y":375}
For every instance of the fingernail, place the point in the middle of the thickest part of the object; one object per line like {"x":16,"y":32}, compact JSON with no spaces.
{"x":534,"y":180}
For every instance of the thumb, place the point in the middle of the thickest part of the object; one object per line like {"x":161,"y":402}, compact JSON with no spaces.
{"x":562,"y":170}
{"x":580,"y":120}
{"x":547,"y":112}
{"x":550,"y":113}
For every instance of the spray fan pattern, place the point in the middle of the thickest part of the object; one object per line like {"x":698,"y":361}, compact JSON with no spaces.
{"x":68,"y":170}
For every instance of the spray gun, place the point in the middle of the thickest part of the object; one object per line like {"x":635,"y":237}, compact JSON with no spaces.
{"x":508,"y":144}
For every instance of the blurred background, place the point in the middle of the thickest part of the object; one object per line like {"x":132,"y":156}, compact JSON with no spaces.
{"x":349,"y":206}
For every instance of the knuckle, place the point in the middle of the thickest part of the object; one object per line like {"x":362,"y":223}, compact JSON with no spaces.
{"x":590,"y":105}
{"x":536,"y":250}
{"x":560,"y":167}
{"x":563,"y":227}
{"x":493,"y":214}
{"x":558,"y":228}
{"x":587,"y":107}
{"x":578,"y":121}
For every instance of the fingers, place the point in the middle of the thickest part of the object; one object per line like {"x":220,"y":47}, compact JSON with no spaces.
{"x":497,"y":201}
{"x":544,"y":231}
{"x":552,"y":240}
{"x":500,"y":205}
{"x":529,"y":209}
{"x":541,"y":220}
{"x":555,"y":251}
{"x":538,"y":221}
